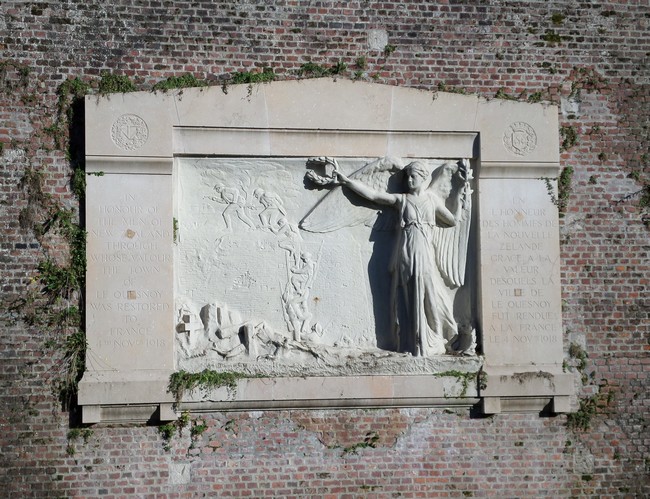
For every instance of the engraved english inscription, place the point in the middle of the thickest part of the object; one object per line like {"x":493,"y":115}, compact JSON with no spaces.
{"x":129,"y":254}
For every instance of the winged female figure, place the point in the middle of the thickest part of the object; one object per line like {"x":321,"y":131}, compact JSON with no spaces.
{"x":429,"y":257}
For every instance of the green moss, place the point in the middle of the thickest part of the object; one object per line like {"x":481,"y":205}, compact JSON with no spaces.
{"x":558,"y":18}
{"x":535,"y":97}
{"x":361,"y":63}
{"x":551,"y":37}
{"x":548,"y":67}
{"x":188,"y":80}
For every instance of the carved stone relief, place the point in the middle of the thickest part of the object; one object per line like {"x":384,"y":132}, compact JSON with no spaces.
{"x":129,"y":132}
{"x":520,"y":138}
{"x":282,"y":272}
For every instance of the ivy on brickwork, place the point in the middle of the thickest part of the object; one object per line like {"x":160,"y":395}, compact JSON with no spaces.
{"x":167,"y":431}
{"x":642,"y":194}
{"x":599,"y":402}
{"x":74,"y":435}
{"x":13,"y":75}
{"x":54,"y":298}
{"x":61,"y":279}
{"x":564,"y":189}
{"x":568,"y":136}
{"x":588,"y":79}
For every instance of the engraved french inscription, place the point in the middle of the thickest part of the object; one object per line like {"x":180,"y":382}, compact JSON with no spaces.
{"x":521,"y":312}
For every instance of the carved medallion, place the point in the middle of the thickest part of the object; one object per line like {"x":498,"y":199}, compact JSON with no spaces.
{"x":520,"y":138}
{"x":129,"y":132}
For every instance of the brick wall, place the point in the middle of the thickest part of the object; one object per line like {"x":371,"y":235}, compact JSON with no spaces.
{"x":591,"y":58}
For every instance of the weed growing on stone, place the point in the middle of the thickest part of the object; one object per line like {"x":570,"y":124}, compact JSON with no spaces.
{"x":266,"y":75}
{"x":112,"y":84}
{"x":310,"y":69}
{"x":183,"y":381}
{"x":175,"y":82}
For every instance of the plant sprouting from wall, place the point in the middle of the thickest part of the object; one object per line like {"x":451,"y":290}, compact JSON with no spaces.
{"x":266,"y":75}
{"x":176,"y":82}
{"x":313,"y":70}
{"x":183,"y":381}
{"x":569,"y":137}
{"x":110,"y":83}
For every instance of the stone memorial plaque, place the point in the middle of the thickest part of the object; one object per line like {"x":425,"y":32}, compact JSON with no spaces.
{"x":331,"y":243}
{"x":129,"y":301}
{"x":520,"y":254}
{"x":276,"y":272}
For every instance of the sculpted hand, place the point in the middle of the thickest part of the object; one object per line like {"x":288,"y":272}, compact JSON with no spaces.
{"x":340,"y":178}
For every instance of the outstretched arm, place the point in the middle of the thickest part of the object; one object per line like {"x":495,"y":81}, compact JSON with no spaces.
{"x":366,"y":192}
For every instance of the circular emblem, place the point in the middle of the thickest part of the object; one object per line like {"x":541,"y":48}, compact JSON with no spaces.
{"x":129,"y":132}
{"x":520,"y":138}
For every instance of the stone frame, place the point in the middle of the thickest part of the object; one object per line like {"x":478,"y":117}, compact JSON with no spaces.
{"x":132,"y":139}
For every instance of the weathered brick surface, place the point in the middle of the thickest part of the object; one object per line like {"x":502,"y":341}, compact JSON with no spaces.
{"x":597,"y":70}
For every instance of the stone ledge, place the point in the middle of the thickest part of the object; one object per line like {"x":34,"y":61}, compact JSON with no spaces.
{"x":528,"y":383}
{"x":114,"y":398}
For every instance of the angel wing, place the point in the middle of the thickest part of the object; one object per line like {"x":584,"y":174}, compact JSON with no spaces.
{"x":450,"y":243}
{"x":342,"y":208}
